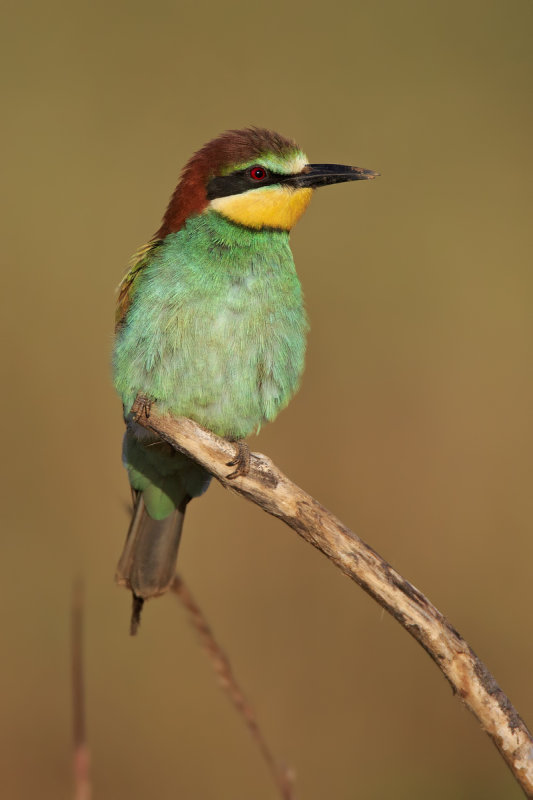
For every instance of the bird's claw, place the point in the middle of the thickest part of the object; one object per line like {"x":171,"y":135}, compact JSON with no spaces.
{"x":144,"y":406}
{"x":241,"y":462}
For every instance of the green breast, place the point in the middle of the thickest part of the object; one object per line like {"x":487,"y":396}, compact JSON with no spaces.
{"x":216,"y":329}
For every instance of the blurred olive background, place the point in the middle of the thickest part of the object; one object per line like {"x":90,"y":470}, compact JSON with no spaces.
{"x":413,"y":423}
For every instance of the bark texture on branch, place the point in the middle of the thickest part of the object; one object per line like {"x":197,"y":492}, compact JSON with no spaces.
{"x":266,"y":486}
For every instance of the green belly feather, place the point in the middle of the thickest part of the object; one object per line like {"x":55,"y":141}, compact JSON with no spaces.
{"x":216,"y":328}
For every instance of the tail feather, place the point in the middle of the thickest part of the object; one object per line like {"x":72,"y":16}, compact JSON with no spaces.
{"x":148,"y":562}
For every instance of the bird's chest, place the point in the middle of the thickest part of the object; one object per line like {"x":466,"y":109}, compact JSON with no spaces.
{"x":249,"y":315}
{"x":248,"y":328}
{"x":216,"y":329}
{"x":238,"y":349}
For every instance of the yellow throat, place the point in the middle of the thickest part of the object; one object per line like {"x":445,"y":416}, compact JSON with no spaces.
{"x":270,"y":207}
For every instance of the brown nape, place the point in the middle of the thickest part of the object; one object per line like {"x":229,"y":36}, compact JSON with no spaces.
{"x":231,"y":147}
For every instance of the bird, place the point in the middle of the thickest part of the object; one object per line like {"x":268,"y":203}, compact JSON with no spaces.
{"x":210,"y":325}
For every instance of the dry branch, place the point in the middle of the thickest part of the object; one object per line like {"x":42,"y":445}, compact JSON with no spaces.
{"x":282,"y":775}
{"x":82,"y":780}
{"x":266,"y":486}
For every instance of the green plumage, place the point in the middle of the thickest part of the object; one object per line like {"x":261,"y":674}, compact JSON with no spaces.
{"x":216,"y":328}
{"x":215,"y":331}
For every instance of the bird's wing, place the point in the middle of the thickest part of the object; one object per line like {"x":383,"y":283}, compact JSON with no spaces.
{"x":126,"y":287}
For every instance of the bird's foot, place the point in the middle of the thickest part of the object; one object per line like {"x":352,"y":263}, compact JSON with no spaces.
{"x":241,"y":462}
{"x":144,"y":404}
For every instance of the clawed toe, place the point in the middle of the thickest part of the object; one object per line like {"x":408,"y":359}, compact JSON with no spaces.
{"x":241,"y":462}
{"x":144,"y":406}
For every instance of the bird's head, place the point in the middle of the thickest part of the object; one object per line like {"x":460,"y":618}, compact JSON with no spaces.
{"x":255,"y":178}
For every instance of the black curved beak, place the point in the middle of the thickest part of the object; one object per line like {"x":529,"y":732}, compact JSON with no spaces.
{"x":314,"y":175}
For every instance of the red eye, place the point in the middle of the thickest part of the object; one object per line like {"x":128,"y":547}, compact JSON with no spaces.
{"x":258,"y":173}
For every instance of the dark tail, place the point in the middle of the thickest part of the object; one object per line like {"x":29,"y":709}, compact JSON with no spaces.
{"x":148,"y":562}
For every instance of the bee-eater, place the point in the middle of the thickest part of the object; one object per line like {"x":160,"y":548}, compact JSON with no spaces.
{"x":211,"y":325}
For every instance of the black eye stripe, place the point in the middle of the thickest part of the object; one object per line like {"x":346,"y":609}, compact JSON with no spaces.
{"x":241,"y":181}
